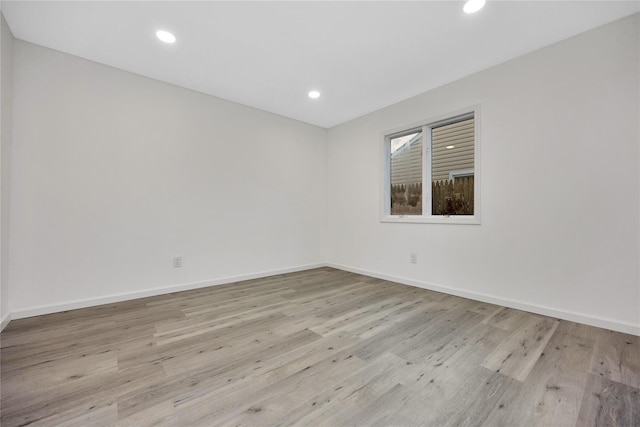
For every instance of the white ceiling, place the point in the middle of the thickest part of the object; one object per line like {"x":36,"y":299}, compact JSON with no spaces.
{"x":361,"y":55}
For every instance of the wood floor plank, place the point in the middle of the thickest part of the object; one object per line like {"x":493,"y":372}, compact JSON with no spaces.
{"x":485,"y":308}
{"x":505,"y":318}
{"x":433,"y":340}
{"x":251,"y":404}
{"x":249,"y":372}
{"x":269,"y":410}
{"x":228,"y":354}
{"x":103,"y":416}
{"x":360,"y":317}
{"x":608,"y":403}
{"x":60,"y":371}
{"x":221,"y":376}
{"x":39,"y":406}
{"x":388,"y":321}
{"x":552,"y":393}
{"x":617,"y":357}
{"x":376,"y":410}
{"x":442,"y":378}
{"x":404,"y":333}
{"x":517,"y":355}
{"x":321,"y":347}
{"x":473,"y":402}
{"x":355,"y":391}
{"x":161,"y":414}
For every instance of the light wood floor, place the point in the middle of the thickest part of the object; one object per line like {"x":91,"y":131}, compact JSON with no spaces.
{"x":318,"y":348}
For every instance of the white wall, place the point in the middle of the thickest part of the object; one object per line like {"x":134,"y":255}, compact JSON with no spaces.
{"x":560,"y":186}
{"x":114,"y":174}
{"x":6,"y":88}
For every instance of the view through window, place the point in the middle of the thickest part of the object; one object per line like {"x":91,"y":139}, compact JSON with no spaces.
{"x":431,"y":169}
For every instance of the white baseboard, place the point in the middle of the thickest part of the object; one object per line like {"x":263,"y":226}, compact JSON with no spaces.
{"x":586,"y":319}
{"x":615,"y":325}
{"x":56,"y":308}
{"x":5,"y":321}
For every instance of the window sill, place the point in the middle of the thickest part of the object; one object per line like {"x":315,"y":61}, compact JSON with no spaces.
{"x":413,"y":219}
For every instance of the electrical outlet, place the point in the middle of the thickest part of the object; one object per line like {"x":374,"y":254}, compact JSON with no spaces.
{"x":413,"y":258}
{"x":177,"y":262}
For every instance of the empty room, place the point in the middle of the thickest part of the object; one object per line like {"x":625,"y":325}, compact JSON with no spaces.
{"x":320,"y":213}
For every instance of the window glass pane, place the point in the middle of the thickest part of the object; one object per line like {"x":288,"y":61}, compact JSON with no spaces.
{"x":406,"y":174}
{"x":452,"y":168}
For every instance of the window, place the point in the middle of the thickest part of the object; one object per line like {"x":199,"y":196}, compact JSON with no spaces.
{"x":431,"y":172}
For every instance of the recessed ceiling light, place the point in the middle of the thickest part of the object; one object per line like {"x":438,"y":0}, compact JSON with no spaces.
{"x":314,"y":94}
{"x":165,"y":36}
{"x":449,"y":147}
{"x":473,"y":6}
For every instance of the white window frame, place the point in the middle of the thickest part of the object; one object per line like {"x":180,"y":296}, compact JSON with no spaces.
{"x":426,"y":126}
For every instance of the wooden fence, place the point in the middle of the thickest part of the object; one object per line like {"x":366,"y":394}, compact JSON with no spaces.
{"x":406,"y":199}
{"x":449,"y":197}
